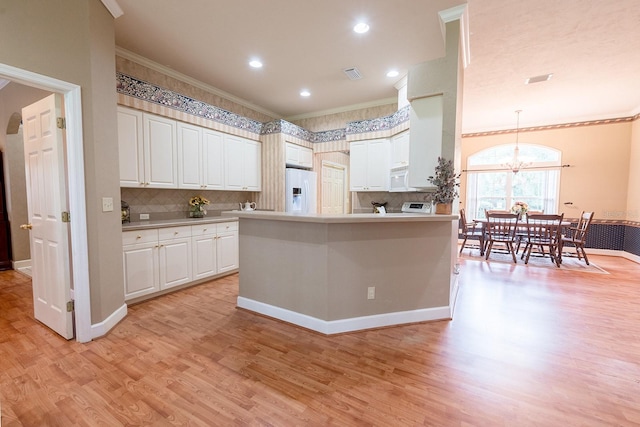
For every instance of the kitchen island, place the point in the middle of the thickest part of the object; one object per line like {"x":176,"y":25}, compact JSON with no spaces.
{"x":341,"y":273}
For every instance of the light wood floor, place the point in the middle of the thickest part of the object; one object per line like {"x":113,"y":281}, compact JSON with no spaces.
{"x":527,"y":346}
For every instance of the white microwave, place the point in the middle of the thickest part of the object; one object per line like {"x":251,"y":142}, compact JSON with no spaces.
{"x":399,"y":180}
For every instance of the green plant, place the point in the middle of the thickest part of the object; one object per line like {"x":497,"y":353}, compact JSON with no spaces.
{"x":446,"y":181}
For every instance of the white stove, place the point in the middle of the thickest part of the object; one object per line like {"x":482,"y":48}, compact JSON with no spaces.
{"x":416,"y":207}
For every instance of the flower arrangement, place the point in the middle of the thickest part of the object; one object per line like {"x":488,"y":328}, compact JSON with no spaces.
{"x":445,"y":180}
{"x":519,"y":208}
{"x":196,"y":207}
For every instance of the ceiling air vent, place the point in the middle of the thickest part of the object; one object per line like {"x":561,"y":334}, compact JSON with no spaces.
{"x":538,"y":79}
{"x":353,"y":73}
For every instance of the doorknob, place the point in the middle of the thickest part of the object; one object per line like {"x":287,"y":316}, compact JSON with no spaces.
{"x":26,"y":226}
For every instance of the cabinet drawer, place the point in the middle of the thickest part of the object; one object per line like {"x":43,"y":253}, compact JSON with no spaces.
{"x":139,"y":236}
{"x":227,"y":226}
{"x":203,"y":229}
{"x":174,"y":232}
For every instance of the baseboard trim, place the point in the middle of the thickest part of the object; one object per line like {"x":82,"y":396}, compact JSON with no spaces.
{"x":100,"y":329}
{"x":330,"y":327}
{"x":25,"y":263}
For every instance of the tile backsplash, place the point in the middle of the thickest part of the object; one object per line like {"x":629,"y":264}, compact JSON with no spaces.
{"x":172,"y":204}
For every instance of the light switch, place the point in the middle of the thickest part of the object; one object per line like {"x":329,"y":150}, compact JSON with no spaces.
{"x":107,"y":204}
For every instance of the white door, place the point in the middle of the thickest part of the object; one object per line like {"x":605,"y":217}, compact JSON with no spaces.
{"x":333,"y":189}
{"x":46,"y":200}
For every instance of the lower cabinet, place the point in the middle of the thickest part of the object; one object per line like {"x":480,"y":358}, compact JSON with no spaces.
{"x":162,"y":258}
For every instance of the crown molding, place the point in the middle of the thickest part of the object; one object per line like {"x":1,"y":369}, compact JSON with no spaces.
{"x":113,"y":7}
{"x":138,"y":59}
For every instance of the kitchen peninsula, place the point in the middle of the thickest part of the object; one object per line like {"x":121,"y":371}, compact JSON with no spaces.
{"x":339,"y":273}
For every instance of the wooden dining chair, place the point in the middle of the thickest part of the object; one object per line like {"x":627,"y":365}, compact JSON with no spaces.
{"x":577,"y":236}
{"x":471,"y":229}
{"x":543,"y":231}
{"x":493,"y":211}
{"x":521,"y":233}
{"x":501,"y":228}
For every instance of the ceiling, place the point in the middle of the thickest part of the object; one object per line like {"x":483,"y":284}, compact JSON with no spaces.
{"x":592,"y":47}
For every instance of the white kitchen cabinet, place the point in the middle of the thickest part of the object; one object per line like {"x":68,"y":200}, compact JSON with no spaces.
{"x":400,"y":150}
{"x":140,"y":261}
{"x":299,"y":156}
{"x":161,"y":258}
{"x":369,"y":165}
{"x":130,"y":147}
{"x":243,"y":164}
{"x":174,"y":253}
{"x":215,"y":249}
{"x":200,"y":161}
{"x":160,"y":152}
{"x":147,"y":150}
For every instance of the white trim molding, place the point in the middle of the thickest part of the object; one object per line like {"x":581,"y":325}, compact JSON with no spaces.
{"x":330,"y":327}
{"x":100,"y":329}
{"x":113,"y":7}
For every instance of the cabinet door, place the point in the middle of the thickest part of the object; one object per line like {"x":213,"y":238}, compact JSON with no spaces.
{"x":175,"y":262}
{"x":306,"y":157}
{"x":140,"y":263}
{"x":130,"y":147}
{"x":160,"y":152}
{"x":227,"y":251}
{"x":252,"y":166}
{"x":400,"y":150}
{"x":212,"y":160}
{"x":233,"y":163}
{"x":204,"y":256}
{"x":378,"y":165}
{"x":189,"y":156}
{"x":292,"y":155}
{"x":358,"y":165}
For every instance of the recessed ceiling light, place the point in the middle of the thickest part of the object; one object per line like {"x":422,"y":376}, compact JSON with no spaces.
{"x":255,"y":63}
{"x":305,"y":93}
{"x":393,"y":73}
{"x":361,"y":28}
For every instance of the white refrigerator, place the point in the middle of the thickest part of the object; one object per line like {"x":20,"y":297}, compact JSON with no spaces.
{"x":301,"y":191}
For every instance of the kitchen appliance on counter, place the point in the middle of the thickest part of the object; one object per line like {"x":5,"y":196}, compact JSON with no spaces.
{"x":248,"y":206}
{"x":300,"y":191}
{"x":417,"y":207}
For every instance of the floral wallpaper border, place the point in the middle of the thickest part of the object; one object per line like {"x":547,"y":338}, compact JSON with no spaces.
{"x":131,"y":86}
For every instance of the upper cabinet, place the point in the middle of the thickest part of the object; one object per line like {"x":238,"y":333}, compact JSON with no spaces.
{"x":242,"y":166}
{"x":130,"y":147}
{"x":157,"y":152}
{"x":400,"y":150}
{"x":160,"y":152}
{"x":369,"y":165}
{"x":147,"y":150}
{"x":299,"y":156}
{"x":200,"y":158}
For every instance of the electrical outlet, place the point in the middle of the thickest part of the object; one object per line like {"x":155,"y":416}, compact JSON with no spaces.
{"x":371,"y":292}
{"x":144,"y":216}
{"x":107,"y":204}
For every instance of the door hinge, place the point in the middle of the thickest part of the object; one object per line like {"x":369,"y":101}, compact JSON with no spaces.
{"x":61,"y":123}
{"x":66,"y":217}
{"x":70,"y":306}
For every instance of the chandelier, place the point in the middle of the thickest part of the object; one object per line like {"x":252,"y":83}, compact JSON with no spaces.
{"x":516,"y":163}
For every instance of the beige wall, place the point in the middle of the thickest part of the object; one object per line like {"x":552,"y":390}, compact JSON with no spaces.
{"x":633,"y":193}
{"x":598,"y":179}
{"x":73,"y":40}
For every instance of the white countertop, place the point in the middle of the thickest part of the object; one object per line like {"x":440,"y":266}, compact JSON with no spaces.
{"x":163,"y":223}
{"x":339,"y":218}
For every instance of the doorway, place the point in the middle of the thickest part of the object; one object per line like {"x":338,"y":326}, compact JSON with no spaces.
{"x":75,"y":187}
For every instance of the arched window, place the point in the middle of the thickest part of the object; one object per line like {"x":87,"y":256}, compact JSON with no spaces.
{"x":490,"y":185}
